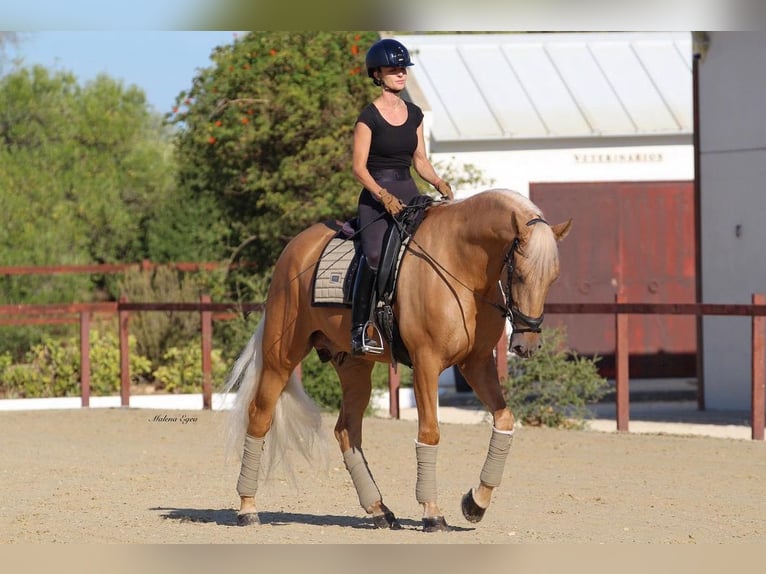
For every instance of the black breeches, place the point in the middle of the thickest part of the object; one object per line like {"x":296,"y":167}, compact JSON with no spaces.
{"x":374,"y":221}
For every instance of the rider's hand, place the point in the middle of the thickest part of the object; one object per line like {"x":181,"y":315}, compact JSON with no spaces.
{"x":445,"y":189}
{"x":392,"y":203}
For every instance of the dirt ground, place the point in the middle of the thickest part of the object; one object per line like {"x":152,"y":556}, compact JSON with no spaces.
{"x":132,"y":476}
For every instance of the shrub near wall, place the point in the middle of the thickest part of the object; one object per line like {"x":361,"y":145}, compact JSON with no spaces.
{"x":554,"y":386}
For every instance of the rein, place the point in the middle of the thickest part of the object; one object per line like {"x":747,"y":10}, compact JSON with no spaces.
{"x":510,"y":310}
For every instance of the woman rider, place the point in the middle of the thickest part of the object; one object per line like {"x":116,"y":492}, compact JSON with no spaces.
{"x":388,"y":139}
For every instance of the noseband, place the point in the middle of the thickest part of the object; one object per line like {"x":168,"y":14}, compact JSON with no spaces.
{"x":520,"y":322}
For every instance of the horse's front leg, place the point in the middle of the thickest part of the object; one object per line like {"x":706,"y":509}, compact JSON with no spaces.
{"x":427,"y":447}
{"x":482,"y":377}
{"x":355,"y":378}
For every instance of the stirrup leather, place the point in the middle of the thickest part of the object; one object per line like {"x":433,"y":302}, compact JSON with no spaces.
{"x":372,"y":345}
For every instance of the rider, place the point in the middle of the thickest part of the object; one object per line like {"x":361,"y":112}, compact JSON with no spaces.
{"x":388,"y":139}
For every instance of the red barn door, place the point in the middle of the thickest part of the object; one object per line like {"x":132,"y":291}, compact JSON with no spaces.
{"x":638,"y":237}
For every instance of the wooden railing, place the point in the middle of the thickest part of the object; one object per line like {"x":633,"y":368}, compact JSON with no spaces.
{"x":36,"y":314}
{"x":621,"y":311}
{"x":110,"y":268}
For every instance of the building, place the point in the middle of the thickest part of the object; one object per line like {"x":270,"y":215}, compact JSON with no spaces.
{"x":732,"y":172}
{"x":594,"y":126}
{"x":600,"y":127}
{"x":552,"y":107}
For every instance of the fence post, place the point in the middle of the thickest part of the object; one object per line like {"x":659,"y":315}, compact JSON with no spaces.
{"x":206,"y":320}
{"x":757,"y":414}
{"x":123,"y":319}
{"x":85,"y":358}
{"x":393,"y":391}
{"x":622,"y":372}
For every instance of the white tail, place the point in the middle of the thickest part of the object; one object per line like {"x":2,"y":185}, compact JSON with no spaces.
{"x":297,"y":420}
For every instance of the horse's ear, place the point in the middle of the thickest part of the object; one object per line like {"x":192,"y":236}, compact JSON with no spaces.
{"x":560,"y":230}
{"x":522,"y":229}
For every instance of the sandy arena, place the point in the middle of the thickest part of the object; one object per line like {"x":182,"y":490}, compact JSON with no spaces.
{"x":149,"y":476}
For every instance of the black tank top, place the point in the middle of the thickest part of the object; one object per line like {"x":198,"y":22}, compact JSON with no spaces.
{"x":391,"y":146}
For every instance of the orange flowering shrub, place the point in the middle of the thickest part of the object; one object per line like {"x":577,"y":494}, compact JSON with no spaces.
{"x":282,"y":129}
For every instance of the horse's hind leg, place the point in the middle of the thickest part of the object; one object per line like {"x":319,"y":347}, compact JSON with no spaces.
{"x":482,"y":376}
{"x":355,"y":378}
{"x":260,"y":414}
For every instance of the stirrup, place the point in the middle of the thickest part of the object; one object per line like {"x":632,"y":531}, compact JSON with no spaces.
{"x":372,"y":345}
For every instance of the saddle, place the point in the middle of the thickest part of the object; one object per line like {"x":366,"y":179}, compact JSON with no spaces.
{"x":337,"y":267}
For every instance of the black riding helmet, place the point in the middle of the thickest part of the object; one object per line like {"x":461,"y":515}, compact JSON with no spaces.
{"x":386,"y":52}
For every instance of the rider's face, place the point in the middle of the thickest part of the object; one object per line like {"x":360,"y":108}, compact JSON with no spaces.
{"x":394,"y":77}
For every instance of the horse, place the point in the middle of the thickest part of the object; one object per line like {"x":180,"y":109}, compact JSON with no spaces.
{"x":470,"y":266}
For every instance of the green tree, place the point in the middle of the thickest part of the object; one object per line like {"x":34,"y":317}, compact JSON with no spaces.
{"x":6,"y":38}
{"x":265,"y":136}
{"x":82,"y":168}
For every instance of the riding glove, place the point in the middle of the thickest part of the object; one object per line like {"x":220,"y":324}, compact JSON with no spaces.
{"x":445,"y":189}
{"x":392,"y":203}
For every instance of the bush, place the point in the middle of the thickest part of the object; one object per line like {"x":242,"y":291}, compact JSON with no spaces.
{"x":322,"y":384}
{"x":554,"y":386}
{"x":156,"y":331}
{"x":5,"y":361}
{"x":182,"y":371}
{"x":52,"y":368}
{"x":105,"y":363}
{"x":233,"y":335}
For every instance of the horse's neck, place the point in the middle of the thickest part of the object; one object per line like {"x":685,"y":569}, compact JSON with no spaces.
{"x":490,"y":232}
{"x":491,"y":219}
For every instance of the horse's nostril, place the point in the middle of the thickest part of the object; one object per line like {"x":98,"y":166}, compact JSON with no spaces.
{"x":519,"y":350}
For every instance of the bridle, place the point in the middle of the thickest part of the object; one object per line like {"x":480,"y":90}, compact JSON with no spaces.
{"x":520,"y":322}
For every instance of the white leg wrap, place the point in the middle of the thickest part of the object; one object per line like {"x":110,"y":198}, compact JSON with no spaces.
{"x":425,"y":487}
{"x":247,"y":485}
{"x":361,"y":477}
{"x":499,"y":447}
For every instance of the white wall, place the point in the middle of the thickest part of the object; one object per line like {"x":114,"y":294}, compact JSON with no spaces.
{"x":733,"y":197}
{"x":517,"y":169}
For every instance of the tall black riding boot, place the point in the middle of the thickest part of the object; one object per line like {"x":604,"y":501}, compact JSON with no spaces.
{"x":361,"y":302}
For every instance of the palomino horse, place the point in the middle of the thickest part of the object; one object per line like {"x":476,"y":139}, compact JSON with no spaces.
{"x":470,"y":264}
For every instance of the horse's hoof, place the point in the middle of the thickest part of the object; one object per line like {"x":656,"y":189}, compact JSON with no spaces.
{"x":436,"y":524}
{"x":472,"y":511}
{"x":386,"y":521}
{"x":248,"y":519}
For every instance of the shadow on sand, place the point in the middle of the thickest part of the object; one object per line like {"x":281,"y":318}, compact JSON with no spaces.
{"x":228,"y":517}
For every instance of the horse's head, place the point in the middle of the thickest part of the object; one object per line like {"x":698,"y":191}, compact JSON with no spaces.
{"x":533,"y":265}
